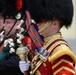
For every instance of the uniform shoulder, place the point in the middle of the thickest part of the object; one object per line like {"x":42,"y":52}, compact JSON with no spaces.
{"x":60,"y":51}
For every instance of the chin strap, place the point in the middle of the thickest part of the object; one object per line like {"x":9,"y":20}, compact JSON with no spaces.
{"x":46,"y":25}
{"x":11,"y":28}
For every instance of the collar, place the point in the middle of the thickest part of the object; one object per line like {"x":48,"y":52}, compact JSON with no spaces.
{"x":57,"y":35}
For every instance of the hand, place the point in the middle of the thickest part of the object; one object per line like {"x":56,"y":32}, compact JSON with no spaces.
{"x":24,"y":66}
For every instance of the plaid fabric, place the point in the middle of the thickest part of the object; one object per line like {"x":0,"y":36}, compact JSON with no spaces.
{"x":35,"y":36}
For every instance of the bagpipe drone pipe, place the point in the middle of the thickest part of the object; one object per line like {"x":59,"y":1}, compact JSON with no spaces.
{"x":11,"y":44}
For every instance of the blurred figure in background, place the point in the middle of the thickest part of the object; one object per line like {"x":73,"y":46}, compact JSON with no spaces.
{"x":1,"y":15}
{"x":9,"y":60}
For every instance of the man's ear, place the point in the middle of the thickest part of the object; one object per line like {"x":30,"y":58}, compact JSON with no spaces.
{"x":28,"y":19}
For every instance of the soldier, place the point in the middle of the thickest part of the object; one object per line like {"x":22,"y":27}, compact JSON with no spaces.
{"x":9,"y":60}
{"x":55,"y":57}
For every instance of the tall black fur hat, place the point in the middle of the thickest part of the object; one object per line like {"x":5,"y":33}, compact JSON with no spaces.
{"x":1,"y":6}
{"x":51,"y":9}
{"x":12,"y":8}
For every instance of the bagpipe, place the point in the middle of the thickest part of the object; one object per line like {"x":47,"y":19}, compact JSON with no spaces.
{"x":14,"y":44}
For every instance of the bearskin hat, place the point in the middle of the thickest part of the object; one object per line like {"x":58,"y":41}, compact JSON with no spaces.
{"x":51,"y":9}
{"x":12,"y":8}
{"x":1,"y":6}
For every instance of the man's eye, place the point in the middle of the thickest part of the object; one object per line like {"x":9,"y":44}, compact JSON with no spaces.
{"x":7,"y":22}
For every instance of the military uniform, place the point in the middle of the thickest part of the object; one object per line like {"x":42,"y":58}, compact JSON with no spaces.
{"x":60,"y":61}
{"x":55,"y":57}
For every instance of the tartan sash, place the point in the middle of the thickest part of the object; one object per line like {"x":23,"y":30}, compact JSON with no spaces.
{"x":35,"y":36}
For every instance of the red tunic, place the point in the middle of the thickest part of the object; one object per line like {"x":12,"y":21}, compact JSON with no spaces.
{"x":63,"y":65}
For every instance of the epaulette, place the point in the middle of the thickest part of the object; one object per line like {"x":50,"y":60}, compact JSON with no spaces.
{"x":61,"y":50}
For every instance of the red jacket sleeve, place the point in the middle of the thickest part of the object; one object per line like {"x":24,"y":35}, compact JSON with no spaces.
{"x":63,"y":66}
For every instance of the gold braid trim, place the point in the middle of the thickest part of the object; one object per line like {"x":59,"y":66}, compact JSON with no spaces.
{"x":65,"y":68}
{"x":62,"y":60}
{"x":60,"y":53}
{"x":37,"y":65}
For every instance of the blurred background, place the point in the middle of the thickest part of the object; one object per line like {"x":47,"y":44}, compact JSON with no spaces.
{"x":70,"y":34}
